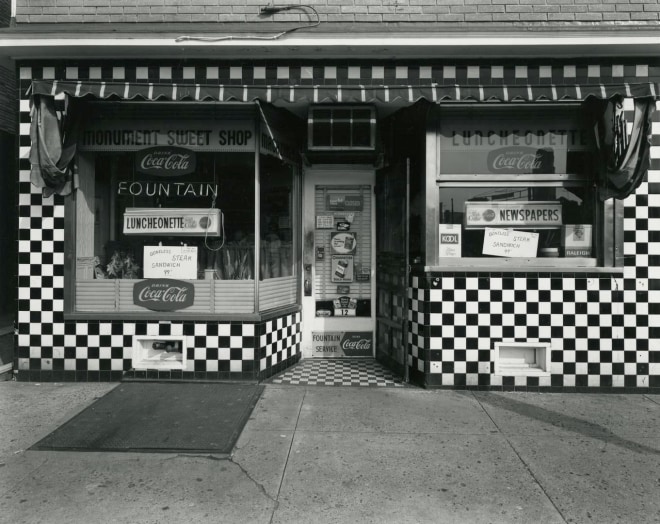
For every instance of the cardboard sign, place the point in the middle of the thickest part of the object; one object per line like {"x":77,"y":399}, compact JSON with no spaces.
{"x":343,"y":243}
{"x":170,"y":262}
{"x":576,"y":240}
{"x":510,"y":243}
{"x":345,"y":306}
{"x":342,"y":268}
{"x":344,"y":203}
{"x":450,"y":240}
{"x":163,"y":294}
{"x":325,"y":221}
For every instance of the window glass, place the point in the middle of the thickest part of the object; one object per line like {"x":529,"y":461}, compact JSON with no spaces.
{"x":342,"y":128}
{"x":552,"y":221}
{"x":135,"y":211}
{"x":517,"y":182}
{"x":277,"y":219}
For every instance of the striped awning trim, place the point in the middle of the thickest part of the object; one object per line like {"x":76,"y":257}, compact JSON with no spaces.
{"x":341,"y":93}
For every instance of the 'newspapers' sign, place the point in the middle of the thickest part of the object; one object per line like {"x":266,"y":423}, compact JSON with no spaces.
{"x":513,"y":213}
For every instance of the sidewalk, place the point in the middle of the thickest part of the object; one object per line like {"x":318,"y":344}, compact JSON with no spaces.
{"x":351,"y":454}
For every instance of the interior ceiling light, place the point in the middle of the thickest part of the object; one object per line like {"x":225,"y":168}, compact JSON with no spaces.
{"x":267,"y":10}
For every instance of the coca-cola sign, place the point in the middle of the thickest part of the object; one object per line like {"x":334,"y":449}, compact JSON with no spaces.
{"x":165,"y":161}
{"x":521,"y":160}
{"x":342,"y":343}
{"x":357,"y":343}
{"x":163,"y":294}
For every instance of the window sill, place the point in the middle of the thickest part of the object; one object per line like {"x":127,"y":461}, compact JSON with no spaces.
{"x":521,"y":265}
{"x":180,"y":316}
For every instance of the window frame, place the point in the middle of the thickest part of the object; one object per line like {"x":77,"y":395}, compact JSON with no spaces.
{"x":608,"y":215}
{"x":80,"y":208}
{"x":341,"y":107}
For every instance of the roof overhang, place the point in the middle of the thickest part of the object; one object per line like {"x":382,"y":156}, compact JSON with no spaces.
{"x":626,"y":42}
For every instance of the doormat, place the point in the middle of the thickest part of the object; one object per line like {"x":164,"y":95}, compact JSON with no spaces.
{"x":160,"y":417}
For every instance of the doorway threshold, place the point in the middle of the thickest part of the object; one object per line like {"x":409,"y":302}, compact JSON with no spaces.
{"x":358,"y":372}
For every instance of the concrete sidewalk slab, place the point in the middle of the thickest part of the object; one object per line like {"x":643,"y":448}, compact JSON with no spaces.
{"x":608,"y":416}
{"x":30,"y":410}
{"x":589,"y":480}
{"x":393,"y":411}
{"x":408,"y":478}
{"x":90,"y":487}
{"x":385,"y":455}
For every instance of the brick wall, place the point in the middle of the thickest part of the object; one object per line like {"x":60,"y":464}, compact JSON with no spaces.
{"x":451,"y":12}
{"x":5,"y":13}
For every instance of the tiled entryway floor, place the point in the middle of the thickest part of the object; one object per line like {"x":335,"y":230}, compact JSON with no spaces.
{"x":338,"y":372}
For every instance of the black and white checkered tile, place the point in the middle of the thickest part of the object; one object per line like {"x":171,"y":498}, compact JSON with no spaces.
{"x":603,"y":329}
{"x":279,"y":342}
{"x":103,"y":350}
{"x":338,"y":372}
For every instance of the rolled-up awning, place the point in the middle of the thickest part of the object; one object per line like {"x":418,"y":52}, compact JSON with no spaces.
{"x":350,"y":93}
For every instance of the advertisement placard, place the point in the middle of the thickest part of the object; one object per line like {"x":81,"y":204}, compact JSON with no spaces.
{"x":342,"y":268}
{"x":342,"y":343}
{"x":343,"y":243}
{"x":450,"y":240}
{"x":163,"y":294}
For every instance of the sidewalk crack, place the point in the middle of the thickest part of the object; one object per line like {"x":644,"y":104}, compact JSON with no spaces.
{"x":259,"y":485}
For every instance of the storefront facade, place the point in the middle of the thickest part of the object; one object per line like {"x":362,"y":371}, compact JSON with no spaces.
{"x":480,"y":178}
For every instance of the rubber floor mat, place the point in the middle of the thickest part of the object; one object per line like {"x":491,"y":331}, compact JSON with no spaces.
{"x":160,"y":417}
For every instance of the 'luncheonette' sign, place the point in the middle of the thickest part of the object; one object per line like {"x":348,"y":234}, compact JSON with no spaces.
{"x":165,"y":161}
{"x":530,"y":215}
{"x":163,"y":294}
{"x":511,"y":143}
{"x":172,"y":221}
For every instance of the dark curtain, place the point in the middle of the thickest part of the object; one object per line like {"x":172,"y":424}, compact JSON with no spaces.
{"x":53,"y":147}
{"x":623,"y":160}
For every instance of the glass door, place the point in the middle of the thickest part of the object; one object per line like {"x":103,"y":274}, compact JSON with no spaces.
{"x":339,"y":254}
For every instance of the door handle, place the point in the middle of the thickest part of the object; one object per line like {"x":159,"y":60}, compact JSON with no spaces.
{"x":307,"y":285}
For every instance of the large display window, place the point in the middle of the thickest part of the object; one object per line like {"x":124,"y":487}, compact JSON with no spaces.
{"x":515,"y":187}
{"x":183,"y":217}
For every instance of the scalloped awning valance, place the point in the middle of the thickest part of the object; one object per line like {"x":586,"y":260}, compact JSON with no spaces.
{"x":350,"y":93}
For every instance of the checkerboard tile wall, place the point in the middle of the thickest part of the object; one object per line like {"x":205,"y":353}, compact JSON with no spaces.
{"x":279,"y":342}
{"x":611,"y":343}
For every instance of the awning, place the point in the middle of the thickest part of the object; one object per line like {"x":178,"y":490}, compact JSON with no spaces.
{"x":350,"y":93}
{"x":54,"y":140}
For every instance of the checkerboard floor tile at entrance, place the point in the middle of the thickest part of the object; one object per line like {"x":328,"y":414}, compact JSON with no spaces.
{"x":338,"y":372}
